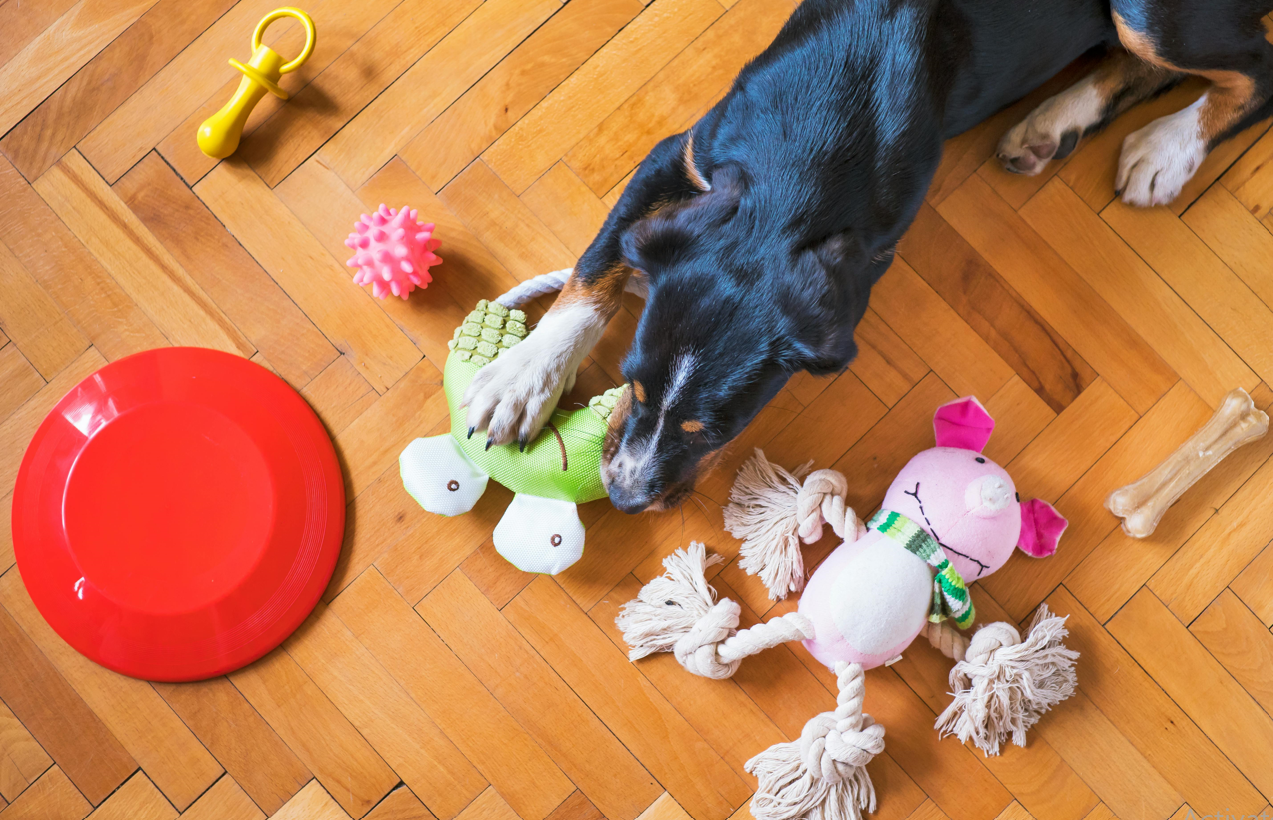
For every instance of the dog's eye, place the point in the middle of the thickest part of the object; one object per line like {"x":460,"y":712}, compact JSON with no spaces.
{"x":638,"y":390}
{"x":692,"y":426}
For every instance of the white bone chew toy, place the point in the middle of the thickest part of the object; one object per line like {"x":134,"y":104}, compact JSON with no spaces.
{"x":1142,"y":503}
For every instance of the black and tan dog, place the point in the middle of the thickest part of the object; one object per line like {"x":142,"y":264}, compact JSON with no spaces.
{"x":762,"y":228}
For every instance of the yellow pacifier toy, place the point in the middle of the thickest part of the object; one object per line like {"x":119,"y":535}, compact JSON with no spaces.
{"x":219,"y":135}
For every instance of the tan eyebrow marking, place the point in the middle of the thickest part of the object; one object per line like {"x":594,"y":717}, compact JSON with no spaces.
{"x":691,"y":170}
{"x":639,"y":390}
{"x":692,"y":426}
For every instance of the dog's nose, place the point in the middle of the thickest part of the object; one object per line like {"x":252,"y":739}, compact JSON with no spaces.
{"x":628,"y":499}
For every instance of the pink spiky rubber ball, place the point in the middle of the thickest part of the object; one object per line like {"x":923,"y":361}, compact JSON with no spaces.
{"x":392,"y":251}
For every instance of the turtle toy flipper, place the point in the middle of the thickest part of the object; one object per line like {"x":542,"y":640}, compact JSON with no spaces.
{"x":540,"y":534}
{"x":440,"y":477}
{"x":558,"y":470}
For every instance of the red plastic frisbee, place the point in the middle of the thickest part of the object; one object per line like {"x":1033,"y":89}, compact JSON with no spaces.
{"x":178,"y":514}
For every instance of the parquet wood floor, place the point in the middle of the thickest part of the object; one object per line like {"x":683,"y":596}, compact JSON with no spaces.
{"x":436,"y":681}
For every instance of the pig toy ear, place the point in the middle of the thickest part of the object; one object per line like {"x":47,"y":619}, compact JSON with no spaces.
{"x":1041,"y":528}
{"x":963,"y":423}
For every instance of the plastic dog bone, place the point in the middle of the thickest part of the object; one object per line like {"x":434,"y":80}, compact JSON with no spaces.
{"x":1142,"y":504}
{"x":541,"y":530}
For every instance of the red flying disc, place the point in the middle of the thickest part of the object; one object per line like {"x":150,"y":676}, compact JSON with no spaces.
{"x":178,"y":514}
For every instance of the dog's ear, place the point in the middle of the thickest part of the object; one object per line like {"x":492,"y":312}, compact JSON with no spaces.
{"x":828,"y":300}
{"x":673,"y":228}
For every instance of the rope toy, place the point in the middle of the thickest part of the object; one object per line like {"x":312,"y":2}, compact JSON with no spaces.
{"x":560,"y":469}
{"x":951,"y":517}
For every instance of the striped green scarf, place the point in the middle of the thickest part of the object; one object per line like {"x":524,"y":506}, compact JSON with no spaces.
{"x":950,"y":594}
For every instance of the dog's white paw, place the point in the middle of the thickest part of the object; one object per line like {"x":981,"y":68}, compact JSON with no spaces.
{"x":514,"y":396}
{"x":1051,"y":130}
{"x":1160,"y":158}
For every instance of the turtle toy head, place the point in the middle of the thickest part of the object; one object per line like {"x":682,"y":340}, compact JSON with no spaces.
{"x":559,"y":469}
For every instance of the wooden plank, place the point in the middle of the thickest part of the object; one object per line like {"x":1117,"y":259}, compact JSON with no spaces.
{"x":19,"y":378}
{"x":319,"y":285}
{"x":1024,"y":582}
{"x":132,"y":58}
{"x":22,"y":758}
{"x":825,"y":430}
{"x":22,"y":22}
{"x":84,"y":749}
{"x":316,"y":731}
{"x":16,"y":431}
{"x":509,"y":90}
{"x":565,"y":205}
{"x":1151,"y":307}
{"x":576,"y":807}
{"x":1250,"y":180}
{"x":1071,"y":444}
{"x":1215,"y":292}
{"x":1150,"y":719}
{"x":523,"y":681}
{"x":609,"y":77}
{"x":1120,"y":565}
{"x":1240,"y":642}
{"x":137,"y":799}
{"x":435,"y":81}
{"x":142,"y":266}
{"x":59,"y":51}
{"x":354,"y":79}
{"x":171,"y":755}
{"x":722,"y":713}
{"x":339,"y":394}
{"x":91,"y":298}
{"x":976,"y":291}
{"x":33,"y":322}
{"x":1239,"y":239}
{"x":664,"y":105}
{"x":633,"y":709}
{"x":220,"y":266}
{"x":400,"y":804}
{"x":1107,"y":761}
{"x":1255,"y":586}
{"x":372,"y":442}
{"x":1020,"y":415}
{"x":224,"y":801}
{"x":498,"y":747}
{"x":884,"y":363}
{"x":184,"y":83}
{"x":395,"y":725}
{"x":53,"y":797}
{"x":521,"y":243}
{"x":239,"y":738}
{"x":311,"y":803}
{"x":1197,"y":682}
{"x":1218,"y":551}
{"x":1099,"y":334}
{"x":936,"y":332}
{"x":344,"y":27}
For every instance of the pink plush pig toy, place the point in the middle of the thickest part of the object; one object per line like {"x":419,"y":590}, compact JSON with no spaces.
{"x":950,"y":517}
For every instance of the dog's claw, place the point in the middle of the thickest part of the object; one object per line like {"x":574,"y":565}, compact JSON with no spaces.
{"x":471,"y":429}
{"x":489,"y":442}
{"x":521,"y":445}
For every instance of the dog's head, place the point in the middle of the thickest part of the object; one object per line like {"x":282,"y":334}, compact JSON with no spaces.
{"x":737,"y":305}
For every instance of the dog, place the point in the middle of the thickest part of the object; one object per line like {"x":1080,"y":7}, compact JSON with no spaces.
{"x":760,"y":230}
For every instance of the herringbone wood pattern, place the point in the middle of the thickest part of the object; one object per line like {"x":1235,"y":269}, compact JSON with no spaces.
{"x":435,"y":681}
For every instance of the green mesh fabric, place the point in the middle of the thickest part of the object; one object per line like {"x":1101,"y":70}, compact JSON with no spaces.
{"x":564,"y":460}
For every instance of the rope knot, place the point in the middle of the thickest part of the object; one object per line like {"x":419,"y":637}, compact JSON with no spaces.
{"x":819,"y":501}
{"x":990,"y":639}
{"x":697,"y":649}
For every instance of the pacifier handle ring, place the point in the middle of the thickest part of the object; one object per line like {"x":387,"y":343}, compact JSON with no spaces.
{"x":279,"y":14}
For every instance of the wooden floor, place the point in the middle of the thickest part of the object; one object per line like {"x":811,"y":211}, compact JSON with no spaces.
{"x":435,"y":680}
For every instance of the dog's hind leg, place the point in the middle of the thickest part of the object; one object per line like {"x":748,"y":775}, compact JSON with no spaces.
{"x":1221,"y":40}
{"x":1052,"y":130}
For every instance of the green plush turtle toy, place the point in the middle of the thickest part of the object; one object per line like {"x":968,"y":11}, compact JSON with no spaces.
{"x":560,"y":468}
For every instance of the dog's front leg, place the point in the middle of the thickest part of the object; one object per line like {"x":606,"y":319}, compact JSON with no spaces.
{"x":513,"y":396}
